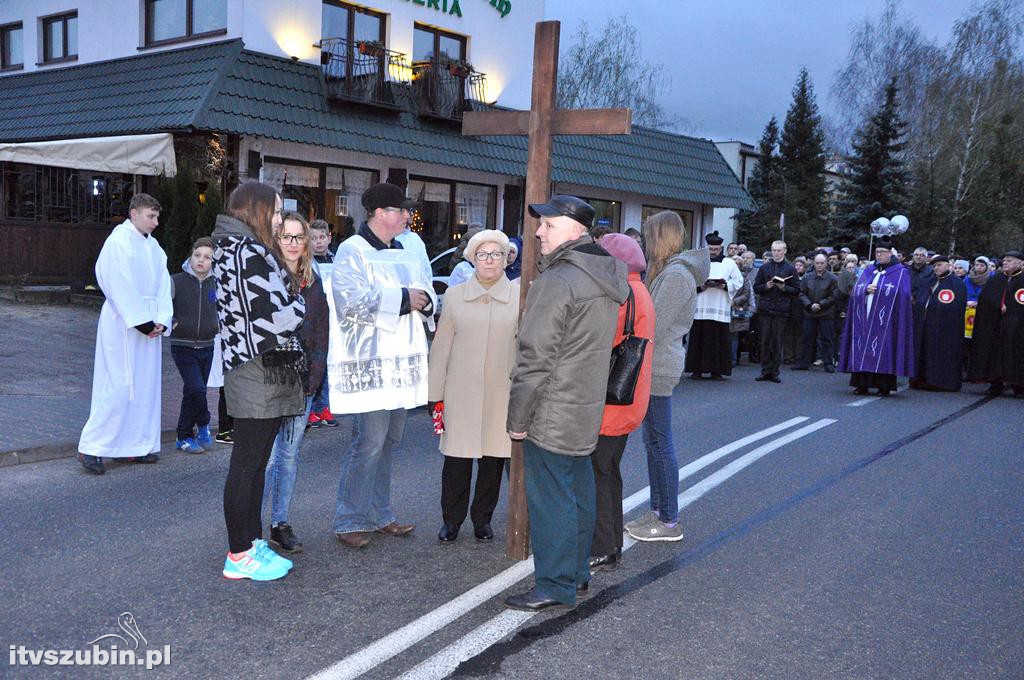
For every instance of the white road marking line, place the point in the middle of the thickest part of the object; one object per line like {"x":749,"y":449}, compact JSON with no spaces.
{"x":408,"y":635}
{"x":441,"y":664}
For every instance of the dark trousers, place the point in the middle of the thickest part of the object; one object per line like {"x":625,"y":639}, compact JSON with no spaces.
{"x":194,"y":366}
{"x":772,"y":331}
{"x":456,"y":475}
{"x":791,"y":338}
{"x":243,"y":489}
{"x":225,"y":423}
{"x":560,"y":500}
{"x":817,"y":335}
{"x":608,"y":492}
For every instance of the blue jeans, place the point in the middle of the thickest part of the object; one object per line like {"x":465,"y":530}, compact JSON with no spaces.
{"x":322,"y":398}
{"x":284,"y":460}
{"x":364,"y":491}
{"x":562,"y":503}
{"x":194,"y":367}
{"x":662,"y":468}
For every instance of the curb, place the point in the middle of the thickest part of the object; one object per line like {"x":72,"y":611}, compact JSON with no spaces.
{"x":39,"y":454}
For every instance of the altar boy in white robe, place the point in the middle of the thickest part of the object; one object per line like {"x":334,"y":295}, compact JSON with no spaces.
{"x":378,"y":368}
{"x":124,"y":418}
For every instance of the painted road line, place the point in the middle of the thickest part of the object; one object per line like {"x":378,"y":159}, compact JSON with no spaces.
{"x":868,"y":400}
{"x":441,"y":664}
{"x":696,"y":466}
{"x":399,"y":640}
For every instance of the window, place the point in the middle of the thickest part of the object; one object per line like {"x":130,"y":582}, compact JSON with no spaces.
{"x":60,"y":37}
{"x":350,"y":23}
{"x":446,"y":209}
{"x":433,"y":44}
{"x":174,"y":20}
{"x":686,"y":215}
{"x":10,"y":46}
{"x":345,"y":29}
{"x":606,"y":213}
{"x":325,"y":192}
{"x":40,"y":193}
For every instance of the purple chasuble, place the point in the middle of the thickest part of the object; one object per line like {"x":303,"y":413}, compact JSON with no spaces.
{"x":880,"y":340}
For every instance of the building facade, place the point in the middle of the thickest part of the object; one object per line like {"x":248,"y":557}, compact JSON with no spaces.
{"x":318,"y":98}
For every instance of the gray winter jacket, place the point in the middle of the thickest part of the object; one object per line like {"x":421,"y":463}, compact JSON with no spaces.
{"x":195,"y":309}
{"x":560,"y":378}
{"x":674,"y":292}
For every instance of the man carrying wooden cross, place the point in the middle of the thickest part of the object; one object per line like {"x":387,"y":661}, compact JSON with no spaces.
{"x":558,"y":394}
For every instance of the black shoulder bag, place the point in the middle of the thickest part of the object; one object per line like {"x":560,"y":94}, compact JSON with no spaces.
{"x":627,"y":358}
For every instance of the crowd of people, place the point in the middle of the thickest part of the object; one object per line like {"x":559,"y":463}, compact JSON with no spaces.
{"x":294,"y":332}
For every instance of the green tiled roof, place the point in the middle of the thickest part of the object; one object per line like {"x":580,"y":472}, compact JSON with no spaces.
{"x":225,"y":88}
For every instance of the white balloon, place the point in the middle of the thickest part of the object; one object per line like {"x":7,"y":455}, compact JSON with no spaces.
{"x":881,"y":227}
{"x":901,"y":223}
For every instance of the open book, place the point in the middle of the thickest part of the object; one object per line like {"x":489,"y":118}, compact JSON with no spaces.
{"x":781,"y":279}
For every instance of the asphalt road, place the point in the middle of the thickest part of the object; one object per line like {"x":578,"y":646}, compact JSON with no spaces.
{"x":875,"y":540}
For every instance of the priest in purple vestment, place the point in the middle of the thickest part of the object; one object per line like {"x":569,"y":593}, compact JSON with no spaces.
{"x":878,"y":337}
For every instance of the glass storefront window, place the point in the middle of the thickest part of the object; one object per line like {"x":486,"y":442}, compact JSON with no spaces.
{"x":474,"y":204}
{"x":606,"y":213}
{"x":686,"y":215}
{"x":343,"y":197}
{"x":298,"y":183}
{"x":432,"y":219}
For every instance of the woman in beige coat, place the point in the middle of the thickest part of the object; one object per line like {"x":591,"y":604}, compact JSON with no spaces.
{"x":470,"y":364}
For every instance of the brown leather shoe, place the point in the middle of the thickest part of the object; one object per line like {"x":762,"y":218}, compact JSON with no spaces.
{"x":354,"y":539}
{"x":396,"y":529}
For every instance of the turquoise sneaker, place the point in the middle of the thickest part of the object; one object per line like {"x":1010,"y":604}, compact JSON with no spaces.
{"x":263,"y":548}
{"x":253,"y":565}
{"x":203,"y":436}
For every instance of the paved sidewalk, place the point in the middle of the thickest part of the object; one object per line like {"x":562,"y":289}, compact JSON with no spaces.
{"x":46,"y":360}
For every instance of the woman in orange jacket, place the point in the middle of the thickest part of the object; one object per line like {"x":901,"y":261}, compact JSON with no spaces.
{"x":619,"y":421}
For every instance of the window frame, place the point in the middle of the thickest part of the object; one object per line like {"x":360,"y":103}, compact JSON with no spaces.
{"x":350,"y":26}
{"x":438,"y":33}
{"x":48,"y":21}
{"x":189,"y":35}
{"x":50,"y":206}
{"x":5,"y":30}
{"x":453,"y":212}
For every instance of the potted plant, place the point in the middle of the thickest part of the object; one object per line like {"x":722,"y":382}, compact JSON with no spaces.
{"x":459,"y":68}
{"x":370,"y":48}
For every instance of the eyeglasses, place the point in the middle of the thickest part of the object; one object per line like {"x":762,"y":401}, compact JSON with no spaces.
{"x":494,"y":257}
{"x":291,"y":239}
{"x":395,"y":209}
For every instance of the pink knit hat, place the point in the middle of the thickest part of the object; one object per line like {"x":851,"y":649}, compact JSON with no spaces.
{"x":625,"y":248}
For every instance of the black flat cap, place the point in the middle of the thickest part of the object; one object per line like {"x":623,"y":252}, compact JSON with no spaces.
{"x":568,"y":206}
{"x":1014,"y":253}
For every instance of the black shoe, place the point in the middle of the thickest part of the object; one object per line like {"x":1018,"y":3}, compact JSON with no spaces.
{"x":861,"y":391}
{"x":483,"y":531}
{"x":225,"y":437}
{"x":775,"y":378}
{"x":697,"y":376}
{"x":530,"y":601}
{"x":603,"y":562}
{"x":763,"y":378}
{"x":92,"y":464}
{"x":801,"y":367}
{"x":995,"y":389}
{"x":717,"y":376}
{"x":448,"y":533}
{"x":883,"y":393}
{"x":829,"y":368}
{"x":582,"y":590}
{"x":284,"y":538}
{"x":148,"y":459}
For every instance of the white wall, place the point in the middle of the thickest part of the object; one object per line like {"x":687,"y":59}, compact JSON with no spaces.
{"x":502,"y":48}
{"x":724,"y":219}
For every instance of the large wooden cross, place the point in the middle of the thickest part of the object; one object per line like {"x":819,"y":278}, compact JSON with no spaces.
{"x":541,"y":123}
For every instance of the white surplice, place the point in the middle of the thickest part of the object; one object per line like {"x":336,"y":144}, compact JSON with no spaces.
{"x":124,"y":418}
{"x":378,"y":356}
{"x":715,"y":304}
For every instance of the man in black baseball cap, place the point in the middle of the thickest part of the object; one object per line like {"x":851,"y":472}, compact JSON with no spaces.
{"x":386,"y":195}
{"x":568,"y":206}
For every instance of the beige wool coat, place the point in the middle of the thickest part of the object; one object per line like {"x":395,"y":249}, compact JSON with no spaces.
{"x":470,"y":367}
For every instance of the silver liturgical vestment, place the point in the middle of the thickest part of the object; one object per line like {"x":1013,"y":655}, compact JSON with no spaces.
{"x":378,"y":358}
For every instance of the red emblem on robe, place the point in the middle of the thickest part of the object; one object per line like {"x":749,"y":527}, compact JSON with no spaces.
{"x":946,"y":296}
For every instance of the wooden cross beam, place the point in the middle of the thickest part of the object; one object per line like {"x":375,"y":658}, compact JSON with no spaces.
{"x":541,"y":123}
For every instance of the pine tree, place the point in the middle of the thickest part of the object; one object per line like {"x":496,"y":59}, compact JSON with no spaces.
{"x":802,"y":160}
{"x":878,"y":177}
{"x":758,"y":228}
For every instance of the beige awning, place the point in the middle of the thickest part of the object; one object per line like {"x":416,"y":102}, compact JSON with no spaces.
{"x":131,"y":154}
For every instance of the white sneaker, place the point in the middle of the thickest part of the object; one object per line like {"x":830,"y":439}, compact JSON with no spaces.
{"x":659,"y":531}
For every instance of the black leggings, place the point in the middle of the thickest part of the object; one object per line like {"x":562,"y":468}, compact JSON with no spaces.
{"x":225,"y":423}
{"x":243,"y":489}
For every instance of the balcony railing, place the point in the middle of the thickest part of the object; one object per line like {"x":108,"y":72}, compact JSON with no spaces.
{"x":446,"y":89}
{"x":365,"y":72}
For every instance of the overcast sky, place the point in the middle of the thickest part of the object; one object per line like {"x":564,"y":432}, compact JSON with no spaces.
{"x":734,"y":62}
